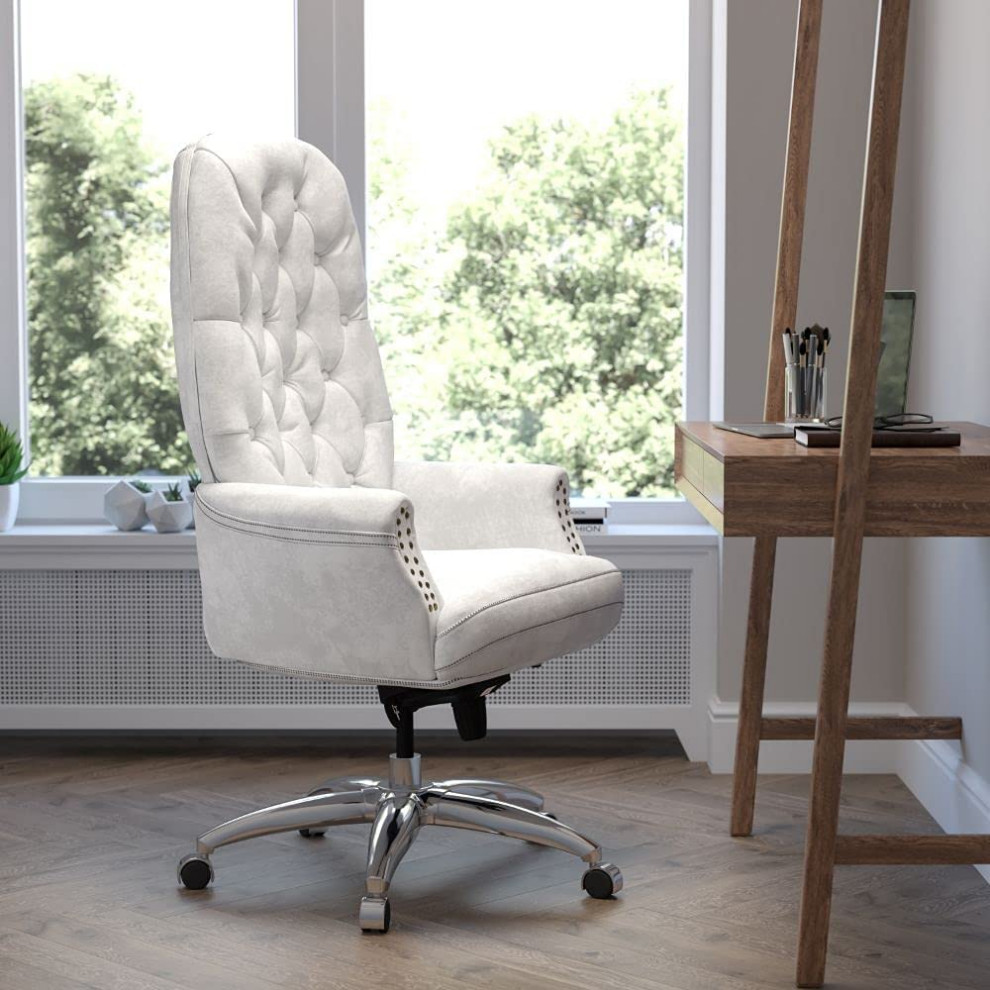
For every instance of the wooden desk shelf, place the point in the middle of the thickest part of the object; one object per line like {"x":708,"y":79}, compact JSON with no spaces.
{"x":928,"y":491}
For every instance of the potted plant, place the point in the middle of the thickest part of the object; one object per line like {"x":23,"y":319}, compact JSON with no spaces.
{"x":168,"y":511}
{"x":125,"y":504}
{"x":193,"y":482}
{"x":12,"y":469}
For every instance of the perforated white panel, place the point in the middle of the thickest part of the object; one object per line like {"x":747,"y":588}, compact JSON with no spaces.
{"x":101,"y":637}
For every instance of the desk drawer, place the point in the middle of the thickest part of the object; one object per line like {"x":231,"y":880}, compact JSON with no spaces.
{"x":702,"y":471}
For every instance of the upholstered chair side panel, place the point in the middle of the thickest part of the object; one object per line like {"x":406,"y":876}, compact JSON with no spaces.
{"x":316,"y":580}
{"x":485,"y":506}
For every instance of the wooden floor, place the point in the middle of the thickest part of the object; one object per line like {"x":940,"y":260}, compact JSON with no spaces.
{"x":90,"y":831}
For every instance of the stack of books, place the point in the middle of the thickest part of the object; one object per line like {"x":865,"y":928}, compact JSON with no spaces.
{"x":591,"y":516}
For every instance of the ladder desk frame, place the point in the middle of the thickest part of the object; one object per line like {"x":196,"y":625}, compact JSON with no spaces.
{"x":865,"y":502}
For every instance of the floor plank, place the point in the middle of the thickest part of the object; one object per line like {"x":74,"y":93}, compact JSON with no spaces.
{"x":91,"y":828}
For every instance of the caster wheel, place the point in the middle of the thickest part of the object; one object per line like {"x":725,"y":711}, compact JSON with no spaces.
{"x":195,"y":872}
{"x":312,"y":833}
{"x":375,"y":915}
{"x":602,"y":881}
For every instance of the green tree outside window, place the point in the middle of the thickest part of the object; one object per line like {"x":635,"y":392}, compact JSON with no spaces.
{"x":542,"y":321}
{"x":546,"y":322}
{"x":103,"y":393}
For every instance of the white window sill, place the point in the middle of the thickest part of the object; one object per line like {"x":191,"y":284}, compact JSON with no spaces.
{"x":79,"y":501}
{"x":97,"y":545}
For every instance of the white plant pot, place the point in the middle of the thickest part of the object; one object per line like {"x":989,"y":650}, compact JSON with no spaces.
{"x":9,"y":497}
{"x":125,"y":507}
{"x":169,"y":517}
{"x":190,"y":497}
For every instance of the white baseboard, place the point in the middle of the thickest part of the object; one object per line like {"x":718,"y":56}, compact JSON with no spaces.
{"x":949,"y":789}
{"x":934,"y":770}
{"x":790,"y":756}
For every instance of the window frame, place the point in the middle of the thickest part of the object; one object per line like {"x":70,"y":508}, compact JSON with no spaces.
{"x":330,"y":114}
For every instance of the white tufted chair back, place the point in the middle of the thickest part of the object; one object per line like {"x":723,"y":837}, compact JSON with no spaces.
{"x":279,"y":373}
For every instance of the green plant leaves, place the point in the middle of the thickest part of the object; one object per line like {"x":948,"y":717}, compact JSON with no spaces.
{"x":12,"y":467}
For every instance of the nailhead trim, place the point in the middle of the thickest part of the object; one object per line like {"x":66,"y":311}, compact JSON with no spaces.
{"x":563,"y":504}
{"x":404,"y":521}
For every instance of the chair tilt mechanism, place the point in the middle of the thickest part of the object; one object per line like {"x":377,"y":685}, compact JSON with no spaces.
{"x":320,"y":556}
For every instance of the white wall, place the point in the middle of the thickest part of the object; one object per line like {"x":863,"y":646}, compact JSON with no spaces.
{"x":759,"y":37}
{"x":948,"y":581}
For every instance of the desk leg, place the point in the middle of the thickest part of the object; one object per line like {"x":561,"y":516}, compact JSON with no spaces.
{"x":753,"y":683}
{"x":830,"y":743}
{"x":851,"y":488}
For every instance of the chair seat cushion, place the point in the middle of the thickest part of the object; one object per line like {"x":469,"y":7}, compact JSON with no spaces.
{"x":510,"y":608}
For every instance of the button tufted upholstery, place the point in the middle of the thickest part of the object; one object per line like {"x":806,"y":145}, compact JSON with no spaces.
{"x":281,"y":381}
{"x":318,"y":555}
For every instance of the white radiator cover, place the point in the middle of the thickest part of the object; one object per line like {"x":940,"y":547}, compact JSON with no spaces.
{"x":98,"y":648}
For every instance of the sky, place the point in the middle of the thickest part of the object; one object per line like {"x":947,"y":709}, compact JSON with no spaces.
{"x":195,"y":65}
{"x":458,"y":70}
{"x":455,"y":70}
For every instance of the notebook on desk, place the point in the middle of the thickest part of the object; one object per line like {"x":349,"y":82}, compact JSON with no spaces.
{"x":935,"y":435}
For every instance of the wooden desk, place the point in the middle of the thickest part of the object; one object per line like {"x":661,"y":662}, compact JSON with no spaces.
{"x":767,"y":488}
{"x":745,"y":486}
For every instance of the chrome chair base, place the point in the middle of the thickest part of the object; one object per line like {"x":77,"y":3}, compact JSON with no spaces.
{"x":397,"y":809}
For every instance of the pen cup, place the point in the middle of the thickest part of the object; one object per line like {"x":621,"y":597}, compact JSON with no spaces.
{"x":805,"y":394}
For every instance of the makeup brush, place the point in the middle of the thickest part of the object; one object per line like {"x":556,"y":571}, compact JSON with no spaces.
{"x":817,"y":376}
{"x":809,"y":373}
{"x":802,"y":365}
{"x":788,"y":339}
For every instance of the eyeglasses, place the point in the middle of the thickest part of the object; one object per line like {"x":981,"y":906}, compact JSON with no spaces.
{"x":914,"y":420}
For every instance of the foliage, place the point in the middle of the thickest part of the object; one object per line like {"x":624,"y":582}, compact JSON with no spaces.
{"x":540,"y":320}
{"x":195,"y":479}
{"x":103,"y":391}
{"x":550,"y":328}
{"x":142,"y":486}
{"x":12,"y":467}
{"x":172,"y":493}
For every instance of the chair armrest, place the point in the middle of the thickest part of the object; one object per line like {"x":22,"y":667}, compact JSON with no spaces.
{"x":326,"y":581}
{"x":476,"y":506}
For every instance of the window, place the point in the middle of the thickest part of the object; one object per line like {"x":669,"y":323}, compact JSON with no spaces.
{"x":111,"y":90}
{"x":526,"y":231}
{"x":537,"y":238}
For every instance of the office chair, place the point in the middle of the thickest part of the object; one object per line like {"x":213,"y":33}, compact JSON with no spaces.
{"x":321,"y":557}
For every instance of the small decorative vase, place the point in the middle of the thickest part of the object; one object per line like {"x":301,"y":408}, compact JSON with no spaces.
{"x":190,"y":497}
{"x":169,"y":517}
{"x":9,"y":498}
{"x":125,"y":507}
